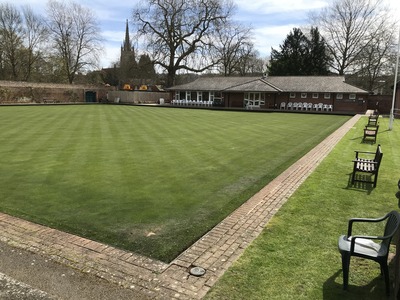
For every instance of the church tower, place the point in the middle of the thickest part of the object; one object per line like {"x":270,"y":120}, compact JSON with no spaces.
{"x":128,"y":65}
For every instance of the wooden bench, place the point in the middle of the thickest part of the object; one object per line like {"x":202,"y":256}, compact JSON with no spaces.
{"x":370,"y":133}
{"x":373,"y":120}
{"x":364,"y":165}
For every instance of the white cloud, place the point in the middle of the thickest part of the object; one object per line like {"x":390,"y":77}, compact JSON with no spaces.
{"x":278,"y":6}
{"x":271,"y":37}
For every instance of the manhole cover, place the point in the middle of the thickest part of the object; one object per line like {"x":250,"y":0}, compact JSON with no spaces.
{"x":197,"y":271}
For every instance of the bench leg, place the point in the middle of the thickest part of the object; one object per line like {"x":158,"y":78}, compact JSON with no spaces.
{"x":353,"y":176}
{"x":375,"y":179}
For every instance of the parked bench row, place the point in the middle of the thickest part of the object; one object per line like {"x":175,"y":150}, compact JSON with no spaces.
{"x":306,"y":106}
{"x":368,"y":162}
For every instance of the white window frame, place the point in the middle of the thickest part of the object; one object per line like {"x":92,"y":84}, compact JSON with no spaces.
{"x":339,"y":96}
{"x":315,"y":95}
{"x":292,"y":95}
{"x":303,"y":95}
{"x":327,"y":96}
{"x":352,"y":96}
{"x":254,"y":98}
{"x":178,"y":95}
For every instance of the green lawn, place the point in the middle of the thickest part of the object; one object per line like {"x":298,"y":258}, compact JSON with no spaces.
{"x":150,"y":180}
{"x":296,"y":256}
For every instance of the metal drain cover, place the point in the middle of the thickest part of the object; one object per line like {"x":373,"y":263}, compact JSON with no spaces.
{"x":197,"y":271}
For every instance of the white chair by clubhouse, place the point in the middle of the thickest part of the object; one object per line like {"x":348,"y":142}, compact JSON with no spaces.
{"x":309,"y":106}
{"x":300,"y":106}
{"x":320,"y":106}
{"x":315,"y":106}
{"x":295,"y":105}
{"x":305,"y":105}
{"x":289,"y":105}
{"x":283,"y":105}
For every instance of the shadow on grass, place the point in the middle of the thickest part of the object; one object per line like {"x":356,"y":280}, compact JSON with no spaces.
{"x":359,"y":185}
{"x":375,"y":289}
{"x":333,"y":289}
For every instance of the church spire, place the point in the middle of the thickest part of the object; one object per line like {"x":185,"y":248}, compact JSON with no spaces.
{"x":127,"y":42}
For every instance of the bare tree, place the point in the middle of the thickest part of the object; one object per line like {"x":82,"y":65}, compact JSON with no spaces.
{"x":11,"y":39}
{"x":374,"y":61}
{"x":233,"y":47}
{"x":250,"y":63}
{"x":347,"y":26}
{"x":179,"y":33}
{"x":76,"y":36}
{"x":36,"y":34}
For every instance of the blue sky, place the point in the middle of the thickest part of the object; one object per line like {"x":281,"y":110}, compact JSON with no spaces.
{"x":271,"y":20}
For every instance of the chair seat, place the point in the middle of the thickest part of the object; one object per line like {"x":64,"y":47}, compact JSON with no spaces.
{"x":362,"y":246}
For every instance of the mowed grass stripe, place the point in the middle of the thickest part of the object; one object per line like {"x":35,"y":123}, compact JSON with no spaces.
{"x":150,"y":180}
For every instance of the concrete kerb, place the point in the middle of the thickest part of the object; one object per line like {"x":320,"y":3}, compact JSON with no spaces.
{"x":214,"y":252}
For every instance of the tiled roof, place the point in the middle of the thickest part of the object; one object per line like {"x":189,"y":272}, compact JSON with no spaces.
{"x":307,"y":84}
{"x":257,"y":85}
{"x":213,"y":83}
{"x":316,"y":84}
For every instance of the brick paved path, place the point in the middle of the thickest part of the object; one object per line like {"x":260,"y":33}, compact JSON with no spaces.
{"x":214,"y":252}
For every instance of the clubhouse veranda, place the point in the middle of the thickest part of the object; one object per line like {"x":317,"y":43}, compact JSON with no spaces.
{"x":318,"y":93}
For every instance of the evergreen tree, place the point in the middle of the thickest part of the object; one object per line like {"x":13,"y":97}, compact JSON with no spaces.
{"x":146,"y":67}
{"x":317,"y":61}
{"x":290,"y":59}
{"x":300,"y":55}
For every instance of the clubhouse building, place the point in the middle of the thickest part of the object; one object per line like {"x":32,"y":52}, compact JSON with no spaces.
{"x":318,"y":93}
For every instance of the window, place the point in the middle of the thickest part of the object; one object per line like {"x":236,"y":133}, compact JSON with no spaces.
{"x":205,"y":96}
{"x":315,"y":95}
{"x":327,"y":96}
{"x":292,"y":95}
{"x":339,"y":96}
{"x":182,"y":95}
{"x":256,"y":99}
{"x":352,"y":96}
{"x":303,"y":95}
